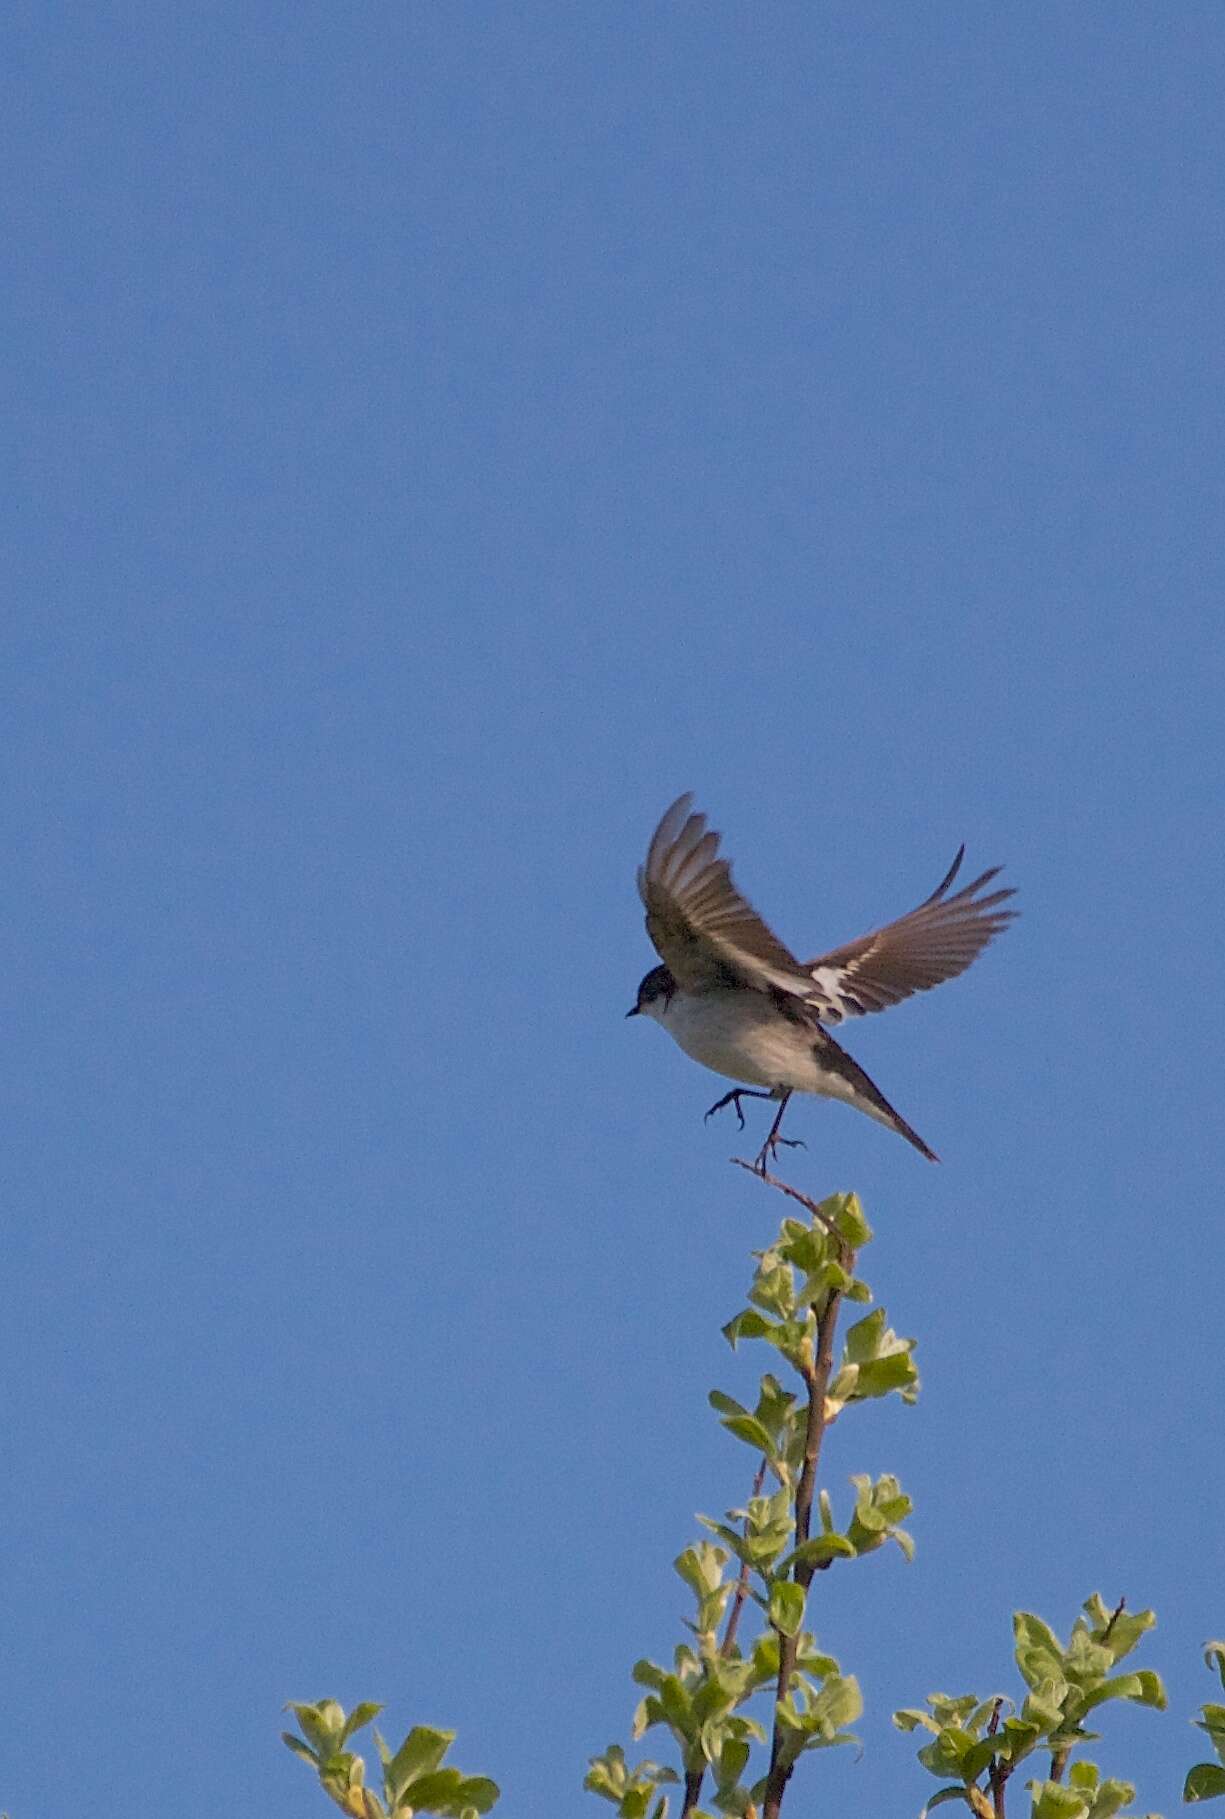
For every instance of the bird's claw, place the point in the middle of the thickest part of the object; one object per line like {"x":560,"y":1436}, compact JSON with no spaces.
{"x":727,"y":1099}
{"x":770,"y":1149}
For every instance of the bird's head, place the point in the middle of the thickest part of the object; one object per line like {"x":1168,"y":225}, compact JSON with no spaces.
{"x":654,"y":994}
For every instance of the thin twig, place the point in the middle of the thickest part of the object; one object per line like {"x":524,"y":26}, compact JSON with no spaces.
{"x":793,"y":1193}
{"x":1119,"y":1608}
{"x":997,"y":1774}
{"x":693,"y":1791}
{"x":742,"y":1583}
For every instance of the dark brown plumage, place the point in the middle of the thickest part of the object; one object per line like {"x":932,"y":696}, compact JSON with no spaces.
{"x":930,"y":944}
{"x":736,"y":998}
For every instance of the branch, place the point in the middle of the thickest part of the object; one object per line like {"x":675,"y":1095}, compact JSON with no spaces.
{"x":742,"y":1582}
{"x":845,"y":1254}
{"x":693,"y":1791}
{"x":816,"y":1373}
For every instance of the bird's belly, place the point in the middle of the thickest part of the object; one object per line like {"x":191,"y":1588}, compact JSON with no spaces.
{"x":745,"y":1039}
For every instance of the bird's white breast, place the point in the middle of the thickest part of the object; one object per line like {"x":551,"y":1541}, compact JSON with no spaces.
{"x":742,"y":1035}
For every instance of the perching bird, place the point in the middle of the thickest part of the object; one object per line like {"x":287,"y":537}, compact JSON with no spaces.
{"x":739,"y":1002}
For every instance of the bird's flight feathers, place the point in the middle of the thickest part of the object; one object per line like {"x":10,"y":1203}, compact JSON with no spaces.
{"x":706,"y":933}
{"x":932,"y":943}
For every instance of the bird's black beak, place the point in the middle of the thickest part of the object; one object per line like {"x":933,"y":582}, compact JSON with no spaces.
{"x":633,"y":1013}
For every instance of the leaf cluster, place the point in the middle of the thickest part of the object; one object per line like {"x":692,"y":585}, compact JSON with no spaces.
{"x":630,"y":1790}
{"x":778,"y":1540}
{"x":795,"y":1276}
{"x":1206,"y":1781}
{"x":414,"y":1778}
{"x":977,"y":1744}
{"x":701,"y":1699}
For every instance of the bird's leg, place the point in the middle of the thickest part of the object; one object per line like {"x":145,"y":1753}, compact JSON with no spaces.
{"x":734,"y":1097}
{"x":771,"y":1145}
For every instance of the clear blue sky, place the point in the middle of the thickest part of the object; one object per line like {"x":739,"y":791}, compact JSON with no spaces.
{"x":434,"y":437}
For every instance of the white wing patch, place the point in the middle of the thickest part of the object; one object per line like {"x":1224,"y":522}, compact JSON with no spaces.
{"x":831,"y":983}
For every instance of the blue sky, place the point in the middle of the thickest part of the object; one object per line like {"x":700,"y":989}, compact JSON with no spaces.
{"x":435,"y":437}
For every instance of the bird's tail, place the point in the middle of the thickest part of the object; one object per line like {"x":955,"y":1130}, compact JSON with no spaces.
{"x":866,"y":1096}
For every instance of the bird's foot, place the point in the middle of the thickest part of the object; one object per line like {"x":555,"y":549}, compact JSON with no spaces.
{"x":733,"y":1098}
{"x":770,"y":1148}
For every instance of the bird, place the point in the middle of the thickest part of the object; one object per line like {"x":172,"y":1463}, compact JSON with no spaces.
{"x":737,"y":1000}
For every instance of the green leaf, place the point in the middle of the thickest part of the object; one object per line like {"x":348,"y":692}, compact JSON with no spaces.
{"x":1214,"y":1656}
{"x":839,"y":1702}
{"x":980,"y":1757}
{"x":725,"y":1405}
{"x":1038,"y":1652}
{"x":1111,"y":1798}
{"x":677,"y":1704}
{"x":944,"y":1754}
{"x":774,"y":1403}
{"x":910,"y":1719}
{"x":1054,"y":1801}
{"x":749,"y":1429}
{"x":945,"y":1794}
{"x":1206,"y":1781}
{"x":732,"y":1761}
{"x":447,"y":1792}
{"x":1126,"y":1630}
{"x":606,"y":1774}
{"x":343,"y":1769}
{"x":358,"y":1718}
{"x":809,"y":1660}
{"x":964,"y":1712}
{"x":419,"y":1754}
{"x":845,"y":1214}
{"x":1143,"y":1688}
{"x":713,"y":1700}
{"x":321,"y":1723}
{"x":480,"y":1792}
{"x":894,"y":1371}
{"x":1019,"y":1738}
{"x":1152,"y":1690}
{"x":787,"y":1602}
{"x":774,"y":1289}
{"x":817,"y":1551}
{"x":299,"y":1748}
{"x":747,"y":1325}
{"x":863,"y":1339}
{"x":734,"y":1539}
{"x":1044,"y":1705}
{"x":701,"y":1567}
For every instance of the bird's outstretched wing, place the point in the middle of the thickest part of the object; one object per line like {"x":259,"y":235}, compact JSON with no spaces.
{"x":934,"y":942}
{"x":704,"y":931}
